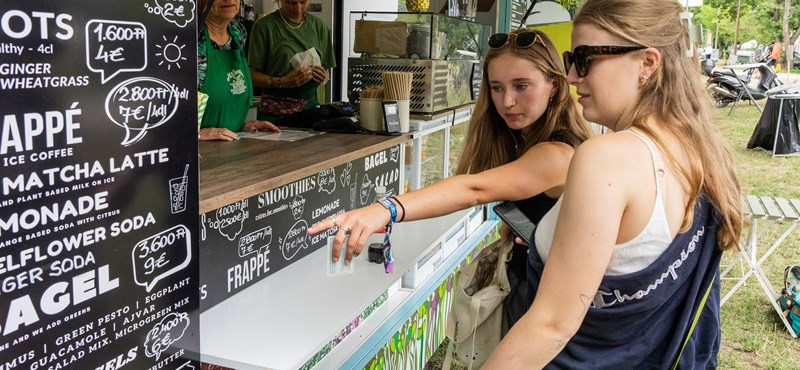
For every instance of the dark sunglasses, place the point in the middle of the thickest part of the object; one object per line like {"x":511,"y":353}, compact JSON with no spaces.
{"x":521,"y":40}
{"x":580,"y":57}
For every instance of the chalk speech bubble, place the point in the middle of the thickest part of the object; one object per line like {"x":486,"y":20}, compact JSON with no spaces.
{"x":297,"y":205}
{"x":139,"y":104}
{"x":230,"y":219}
{"x":296,"y":238}
{"x":394,"y":153}
{"x":115,"y":46}
{"x":366,"y":189}
{"x":326,"y":179}
{"x":254,"y":241}
{"x":161,"y":255}
{"x":169,"y":330}
{"x":177,"y":12}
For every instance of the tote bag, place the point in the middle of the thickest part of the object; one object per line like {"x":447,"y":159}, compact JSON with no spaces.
{"x":476,"y":314}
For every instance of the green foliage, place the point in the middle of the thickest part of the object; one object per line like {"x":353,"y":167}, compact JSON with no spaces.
{"x":756,"y":20}
{"x":569,"y":4}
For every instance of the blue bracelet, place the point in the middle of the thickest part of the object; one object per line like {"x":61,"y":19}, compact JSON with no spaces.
{"x":388,"y":204}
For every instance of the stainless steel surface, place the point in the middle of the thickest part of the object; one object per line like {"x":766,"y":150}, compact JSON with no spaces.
{"x":437,"y":84}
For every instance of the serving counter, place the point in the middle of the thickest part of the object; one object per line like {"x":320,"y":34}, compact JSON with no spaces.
{"x":267,"y":301}
{"x":233,"y":170}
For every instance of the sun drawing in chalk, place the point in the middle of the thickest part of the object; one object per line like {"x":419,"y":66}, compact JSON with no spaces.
{"x":171,"y":52}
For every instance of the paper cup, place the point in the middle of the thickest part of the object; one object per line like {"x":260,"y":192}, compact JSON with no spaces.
{"x":370,"y":114}
{"x":403,"y":113}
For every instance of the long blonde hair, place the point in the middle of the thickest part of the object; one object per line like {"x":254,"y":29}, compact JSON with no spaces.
{"x":675,"y":99}
{"x":491,"y":143}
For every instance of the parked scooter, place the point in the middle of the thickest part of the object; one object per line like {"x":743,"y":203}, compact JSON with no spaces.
{"x":723,"y":87}
{"x":707,"y":65}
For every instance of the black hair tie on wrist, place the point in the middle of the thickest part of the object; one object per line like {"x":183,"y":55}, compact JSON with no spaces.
{"x":401,"y":207}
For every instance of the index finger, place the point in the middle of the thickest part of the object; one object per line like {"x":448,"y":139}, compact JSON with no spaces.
{"x":230,"y":134}
{"x":272,"y":126}
{"x":320,"y":226}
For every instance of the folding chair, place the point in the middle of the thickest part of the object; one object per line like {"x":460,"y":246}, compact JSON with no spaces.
{"x":749,"y":69}
{"x":769,"y":210}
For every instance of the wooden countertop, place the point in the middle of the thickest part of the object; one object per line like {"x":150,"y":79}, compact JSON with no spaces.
{"x":234,"y":170}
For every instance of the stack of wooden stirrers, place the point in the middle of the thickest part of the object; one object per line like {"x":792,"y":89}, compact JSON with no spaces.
{"x":397,"y":85}
{"x":371,"y":92}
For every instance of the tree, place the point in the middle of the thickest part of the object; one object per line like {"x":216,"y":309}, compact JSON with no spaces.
{"x":787,"y":6}
{"x":757,"y":19}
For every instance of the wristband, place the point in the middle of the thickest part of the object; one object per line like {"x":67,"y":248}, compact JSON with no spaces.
{"x":388,"y":260}
{"x":388,"y":204}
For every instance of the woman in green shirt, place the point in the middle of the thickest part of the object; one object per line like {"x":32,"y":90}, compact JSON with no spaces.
{"x":274,"y":40}
{"x":223,"y":74}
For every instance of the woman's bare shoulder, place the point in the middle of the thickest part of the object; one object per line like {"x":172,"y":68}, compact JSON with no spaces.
{"x":613,"y":155}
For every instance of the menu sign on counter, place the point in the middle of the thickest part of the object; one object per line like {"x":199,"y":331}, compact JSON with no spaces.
{"x":98,"y":185}
{"x":247,"y":241}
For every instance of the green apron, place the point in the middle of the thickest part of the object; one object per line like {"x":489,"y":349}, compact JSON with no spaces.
{"x":228,"y":85}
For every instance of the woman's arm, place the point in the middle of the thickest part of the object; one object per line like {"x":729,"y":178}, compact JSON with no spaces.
{"x":596,"y":195}
{"x":297,"y":77}
{"x":256,"y":125}
{"x":216,"y":133}
{"x":541,"y":168}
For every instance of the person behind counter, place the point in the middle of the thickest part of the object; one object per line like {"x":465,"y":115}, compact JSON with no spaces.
{"x":518,"y":147}
{"x":223,"y":74}
{"x":624,"y":270}
{"x":274,"y":40}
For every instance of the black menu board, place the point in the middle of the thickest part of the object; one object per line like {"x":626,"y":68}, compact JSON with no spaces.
{"x":253,"y":238}
{"x":98,"y":185}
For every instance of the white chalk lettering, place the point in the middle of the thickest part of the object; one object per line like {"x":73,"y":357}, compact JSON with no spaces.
{"x":33,"y":218}
{"x":19,"y":133}
{"x":287,"y":191}
{"x":56,"y":298}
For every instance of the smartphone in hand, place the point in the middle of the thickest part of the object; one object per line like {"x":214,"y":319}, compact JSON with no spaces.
{"x":516,"y":220}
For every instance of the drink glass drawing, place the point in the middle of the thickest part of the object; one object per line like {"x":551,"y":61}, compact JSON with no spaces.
{"x":353,"y":192}
{"x":178,"y":190}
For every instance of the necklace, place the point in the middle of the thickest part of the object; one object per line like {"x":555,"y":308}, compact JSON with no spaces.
{"x":287,"y":22}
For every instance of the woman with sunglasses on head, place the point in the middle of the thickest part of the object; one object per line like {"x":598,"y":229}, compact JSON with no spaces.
{"x":623,"y":270}
{"x":518,"y":146}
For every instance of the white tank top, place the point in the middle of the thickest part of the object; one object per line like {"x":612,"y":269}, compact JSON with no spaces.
{"x":636,"y":253}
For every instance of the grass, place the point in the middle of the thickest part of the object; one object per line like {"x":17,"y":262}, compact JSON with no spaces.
{"x":752,"y":334}
{"x":753,"y":337}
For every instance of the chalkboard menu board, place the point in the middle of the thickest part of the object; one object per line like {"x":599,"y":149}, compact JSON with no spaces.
{"x":98,"y":185}
{"x":244,"y":242}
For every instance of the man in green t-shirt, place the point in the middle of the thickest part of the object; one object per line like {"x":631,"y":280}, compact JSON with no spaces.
{"x":274,"y":39}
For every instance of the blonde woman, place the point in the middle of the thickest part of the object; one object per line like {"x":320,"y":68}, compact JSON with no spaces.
{"x":518,"y":147}
{"x":623,"y":270}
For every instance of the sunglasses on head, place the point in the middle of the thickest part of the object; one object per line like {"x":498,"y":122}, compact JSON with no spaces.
{"x":521,"y":40}
{"x":580,"y":57}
